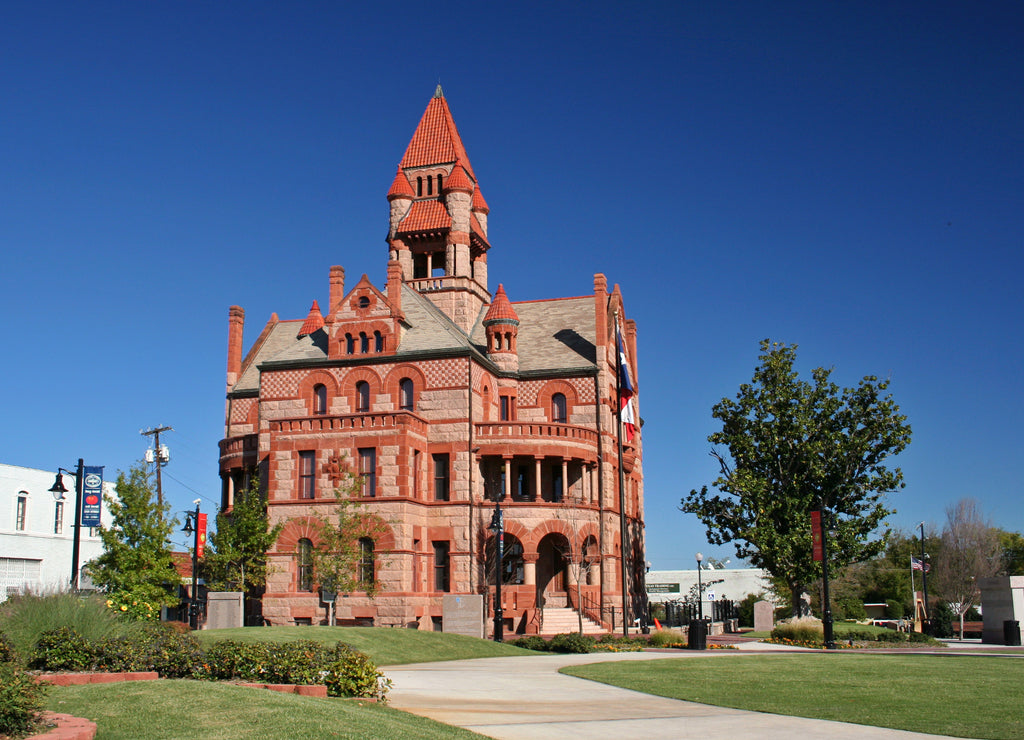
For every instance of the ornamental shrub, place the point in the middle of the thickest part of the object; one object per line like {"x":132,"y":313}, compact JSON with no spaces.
{"x":63,"y":649}
{"x":533,"y":642}
{"x":351,"y":673}
{"x":21,"y":701}
{"x":572,"y":642}
{"x":170,"y":653}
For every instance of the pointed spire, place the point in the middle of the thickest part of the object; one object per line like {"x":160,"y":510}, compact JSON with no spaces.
{"x":314,"y":321}
{"x":439,"y":93}
{"x":436,"y":140}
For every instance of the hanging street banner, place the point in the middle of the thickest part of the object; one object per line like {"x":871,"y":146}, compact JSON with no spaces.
{"x":201,"y":536}
{"x":816,"y":535}
{"x":92,"y":495}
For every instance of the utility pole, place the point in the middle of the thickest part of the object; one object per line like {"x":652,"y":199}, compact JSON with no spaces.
{"x":159,"y":457}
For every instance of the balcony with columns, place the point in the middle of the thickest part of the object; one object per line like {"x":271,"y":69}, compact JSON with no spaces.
{"x":539,"y":438}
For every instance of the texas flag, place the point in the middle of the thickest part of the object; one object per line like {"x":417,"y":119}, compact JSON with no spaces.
{"x":626,"y":388}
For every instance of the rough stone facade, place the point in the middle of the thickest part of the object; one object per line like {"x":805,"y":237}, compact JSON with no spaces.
{"x":443,"y":399}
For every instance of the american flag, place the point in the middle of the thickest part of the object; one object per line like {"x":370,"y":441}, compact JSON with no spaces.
{"x":916,"y":564}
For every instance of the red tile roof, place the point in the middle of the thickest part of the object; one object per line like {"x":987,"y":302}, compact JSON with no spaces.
{"x":314,"y":321}
{"x":436,"y":140}
{"x":501,"y":308}
{"x":426,"y":215}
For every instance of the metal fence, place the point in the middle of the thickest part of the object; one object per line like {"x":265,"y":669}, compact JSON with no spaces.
{"x":681,"y":613}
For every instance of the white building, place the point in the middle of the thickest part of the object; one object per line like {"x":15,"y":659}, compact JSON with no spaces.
{"x":37,"y":531}
{"x":719,"y":583}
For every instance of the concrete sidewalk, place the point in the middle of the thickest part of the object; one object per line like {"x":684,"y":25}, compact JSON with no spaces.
{"x":526,"y":697}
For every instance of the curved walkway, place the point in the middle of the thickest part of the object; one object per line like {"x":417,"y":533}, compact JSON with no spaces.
{"x":526,"y":697}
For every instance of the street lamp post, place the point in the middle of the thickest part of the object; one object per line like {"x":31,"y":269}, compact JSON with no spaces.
{"x":58,"y":490}
{"x":498,"y":527}
{"x":700,"y":589}
{"x":826,"y":611}
{"x":192,"y":527}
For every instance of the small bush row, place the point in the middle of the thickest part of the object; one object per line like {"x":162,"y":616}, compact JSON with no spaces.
{"x":574,"y":642}
{"x":174,"y":654}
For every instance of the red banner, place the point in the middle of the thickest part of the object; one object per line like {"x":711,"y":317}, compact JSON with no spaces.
{"x":201,"y":536}
{"x":816,"y":535}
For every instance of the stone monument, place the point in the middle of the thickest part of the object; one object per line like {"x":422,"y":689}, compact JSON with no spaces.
{"x":764,"y":616}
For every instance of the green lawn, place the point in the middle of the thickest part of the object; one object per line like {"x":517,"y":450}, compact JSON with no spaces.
{"x":966,"y":696}
{"x":197,"y":710}
{"x":385,"y":646}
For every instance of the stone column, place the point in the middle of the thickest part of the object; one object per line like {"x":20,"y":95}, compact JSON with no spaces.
{"x":538,"y":491}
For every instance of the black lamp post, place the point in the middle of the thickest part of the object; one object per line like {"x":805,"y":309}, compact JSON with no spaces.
{"x":498,"y":527}
{"x":58,"y":490}
{"x":826,"y":611}
{"x":192,"y":527}
{"x":700,"y":589}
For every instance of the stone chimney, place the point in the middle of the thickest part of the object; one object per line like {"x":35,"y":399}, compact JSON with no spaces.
{"x":236,"y":323}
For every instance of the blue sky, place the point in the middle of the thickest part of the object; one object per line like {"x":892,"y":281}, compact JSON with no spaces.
{"x":846,"y":177}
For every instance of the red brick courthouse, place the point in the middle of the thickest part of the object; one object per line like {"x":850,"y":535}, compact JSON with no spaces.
{"x":442,"y":394}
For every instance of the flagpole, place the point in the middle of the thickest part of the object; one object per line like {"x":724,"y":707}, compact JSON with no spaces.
{"x":622,"y":483}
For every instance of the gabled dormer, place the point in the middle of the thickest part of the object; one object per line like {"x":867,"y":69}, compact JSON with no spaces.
{"x":364,"y":321}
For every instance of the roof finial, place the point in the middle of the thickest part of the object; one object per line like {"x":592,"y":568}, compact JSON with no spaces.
{"x":439,"y":93}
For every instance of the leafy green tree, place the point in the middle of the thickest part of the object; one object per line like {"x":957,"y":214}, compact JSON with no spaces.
{"x":1012,"y":546}
{"x":136,"y":558}
{"x":795,"y":446}
{"x":236,"y":558}
{"x":341,"y":560}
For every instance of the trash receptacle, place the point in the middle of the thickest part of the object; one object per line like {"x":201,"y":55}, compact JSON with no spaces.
{"x":697,"y":635}
{"x":1011,"y":632}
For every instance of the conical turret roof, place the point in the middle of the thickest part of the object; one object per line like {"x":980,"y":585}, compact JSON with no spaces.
{"x":400,"y":187}
{"x":314,"y":321}
{"x":501,"y":308}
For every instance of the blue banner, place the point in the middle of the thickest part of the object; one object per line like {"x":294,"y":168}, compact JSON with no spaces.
{"x":92,"y":495}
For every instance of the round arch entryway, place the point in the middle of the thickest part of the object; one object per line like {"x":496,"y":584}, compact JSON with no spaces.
{"x":552,"y":571}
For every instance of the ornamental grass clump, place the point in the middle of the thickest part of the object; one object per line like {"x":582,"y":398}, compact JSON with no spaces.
{"x":25,"y":617}
{"x":803,"y":631}
{"x":666,"y":638}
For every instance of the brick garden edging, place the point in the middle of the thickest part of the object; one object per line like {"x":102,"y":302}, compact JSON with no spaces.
{"x":317,"y":690}
{"x":80,"y":679}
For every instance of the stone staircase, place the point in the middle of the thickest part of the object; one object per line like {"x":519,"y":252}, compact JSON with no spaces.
{"x":560,"y":620}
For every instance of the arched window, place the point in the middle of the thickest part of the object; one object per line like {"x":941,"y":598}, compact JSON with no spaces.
{"x":406,"y":399}
{"x":513,"y":570}
{"x":362,"y":396}
{"x":350,"y":344}
{"x":439,"y":181}
{"x":558,"y":413}
{"x":430,"y":185}
{"x":378,"y":342}
{"x":364,"y":342}
{"x":419,"y":186}
{"x":320,"y":399}
{"x":305,"y":569}
{"x":366,"y":562}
